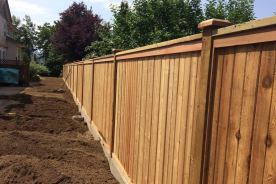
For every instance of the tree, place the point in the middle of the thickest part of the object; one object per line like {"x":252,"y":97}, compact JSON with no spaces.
{"x":103,"y":47}
{"x":44,"y":39}
{"x":26,"y":34}
{"x":75,"y":30}
{"x":153,"y":21}
{"x":236,"y":11}
{"x":16,"y":21}
{"x":215,"y":9}
{"x":54,"y":63}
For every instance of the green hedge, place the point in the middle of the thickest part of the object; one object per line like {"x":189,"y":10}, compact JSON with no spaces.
{"x":37,"y":70}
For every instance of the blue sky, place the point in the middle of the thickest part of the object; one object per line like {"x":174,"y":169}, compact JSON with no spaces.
{"x":48,"y":10}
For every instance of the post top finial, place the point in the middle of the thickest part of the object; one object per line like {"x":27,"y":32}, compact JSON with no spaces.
{"x":214,"y":22}
{"x":116,"y":50}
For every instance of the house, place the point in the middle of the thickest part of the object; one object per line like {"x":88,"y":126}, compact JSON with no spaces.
{"x":9,"y":48}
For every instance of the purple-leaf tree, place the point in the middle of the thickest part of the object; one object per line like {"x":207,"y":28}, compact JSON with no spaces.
{"x":76,"y":30}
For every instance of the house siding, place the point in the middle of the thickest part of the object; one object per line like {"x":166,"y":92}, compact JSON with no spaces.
{"x":3,"y":41}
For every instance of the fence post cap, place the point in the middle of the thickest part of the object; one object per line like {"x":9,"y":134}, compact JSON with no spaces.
{"x":117,"y":50}
{"x":214,"y":23}
{"x":92,"y":57}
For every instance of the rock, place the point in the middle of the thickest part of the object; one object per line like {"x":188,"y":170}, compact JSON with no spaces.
{"x":78,"y":118}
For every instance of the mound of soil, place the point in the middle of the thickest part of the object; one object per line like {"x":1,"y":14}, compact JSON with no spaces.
{"x":40,"y":143}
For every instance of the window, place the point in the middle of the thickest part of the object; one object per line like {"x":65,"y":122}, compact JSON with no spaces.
{"x":5,"y":29}
{"x":2,"y":54}
{"x":18,"y":54}
{"x":10,"y":33}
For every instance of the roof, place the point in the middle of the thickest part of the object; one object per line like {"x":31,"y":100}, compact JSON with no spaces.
{"x":8,"y":12}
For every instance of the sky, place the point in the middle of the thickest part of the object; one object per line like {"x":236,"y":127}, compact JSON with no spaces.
{"x":42,"y":11}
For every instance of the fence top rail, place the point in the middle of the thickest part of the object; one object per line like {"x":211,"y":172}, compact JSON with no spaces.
{"x":162,"y":44}
{"x":107,"y":58}
{"x":269,"y":21}
{"x":103,"y":57}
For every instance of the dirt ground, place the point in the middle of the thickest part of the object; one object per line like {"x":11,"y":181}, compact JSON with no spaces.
{"x":40,"y":143}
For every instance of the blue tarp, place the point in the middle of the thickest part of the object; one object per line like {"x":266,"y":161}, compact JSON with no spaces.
{"x":9,"y":76}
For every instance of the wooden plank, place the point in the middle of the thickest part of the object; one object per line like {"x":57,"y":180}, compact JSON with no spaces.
{"x":247,"y":115}
{"x":162,"y":118}
{"x":148,"y":121}
{"x":173,"y":118}
{"x":270,"y":161}
{"x":163,"y":44}
{"x":155,"y":118}
{"x":104,"y":60}
{"x":262,"y":113}
{"x":122,"y":169}
{"x":190,"y":118}
{"x":219,"y":58}
{"x":195,"y":45}
{"x":109,"y":104}
{"x":267,"y":34}
{"x":182,"y":115}
{"x":168,"y":118}
{"x":118,"y":110}
{"x":92,"y":87}
{"x":133,"y":115}
{"x":137,"y":118}
{"x":178,"y":118}
{"x":246,"y":26}
{"x":235,"y":115}
{"x":143,"y":121}
{"x":224,"y":114}
{"x":126,"y":114}
{"x":123,"y":109}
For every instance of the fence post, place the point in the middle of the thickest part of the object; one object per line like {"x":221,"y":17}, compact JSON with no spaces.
{"x":82,"y":84}
{"x":92,"y":59}
{"x":114,"y":99}
{"x":199,"y":155}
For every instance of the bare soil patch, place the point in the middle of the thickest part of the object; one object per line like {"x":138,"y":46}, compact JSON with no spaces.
{"x":40,"y":143}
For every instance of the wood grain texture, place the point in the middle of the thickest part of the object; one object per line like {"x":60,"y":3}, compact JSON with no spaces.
{"x":87,"y":89}
{"x":262,"y":113}
{"x":247,"y":113}
{"x":235,"y":115}
{"x":270,"y":160}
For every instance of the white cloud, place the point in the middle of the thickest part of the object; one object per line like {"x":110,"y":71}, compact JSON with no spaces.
{"x":27,"y":8}
{"x":37,"y":23}
{"x":105,"y":3}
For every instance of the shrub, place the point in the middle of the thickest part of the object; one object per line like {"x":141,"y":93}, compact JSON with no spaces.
{"x":36,"y":70}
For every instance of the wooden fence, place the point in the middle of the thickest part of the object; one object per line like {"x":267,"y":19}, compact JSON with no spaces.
{"x":199,"y":109}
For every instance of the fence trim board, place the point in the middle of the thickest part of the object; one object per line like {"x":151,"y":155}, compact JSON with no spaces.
{"x":245,"y":26}
{"x":109,"y":59}
{"x":195,"y":45}
{"x":267,"y":34}
{"x":163,"y":44}
{"x":114,"y":157}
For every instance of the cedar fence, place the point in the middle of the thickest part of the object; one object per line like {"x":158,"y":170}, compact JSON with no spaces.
{"x":199,"y":109}
{"x":22,"y":66}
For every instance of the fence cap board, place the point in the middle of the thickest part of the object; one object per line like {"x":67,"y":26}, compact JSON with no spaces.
{"x":214,"y":22}
{"x":102,"y":57}
{"x":107,"y":58}
{"x":245,"y":26}
{"x":162,"y":44}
